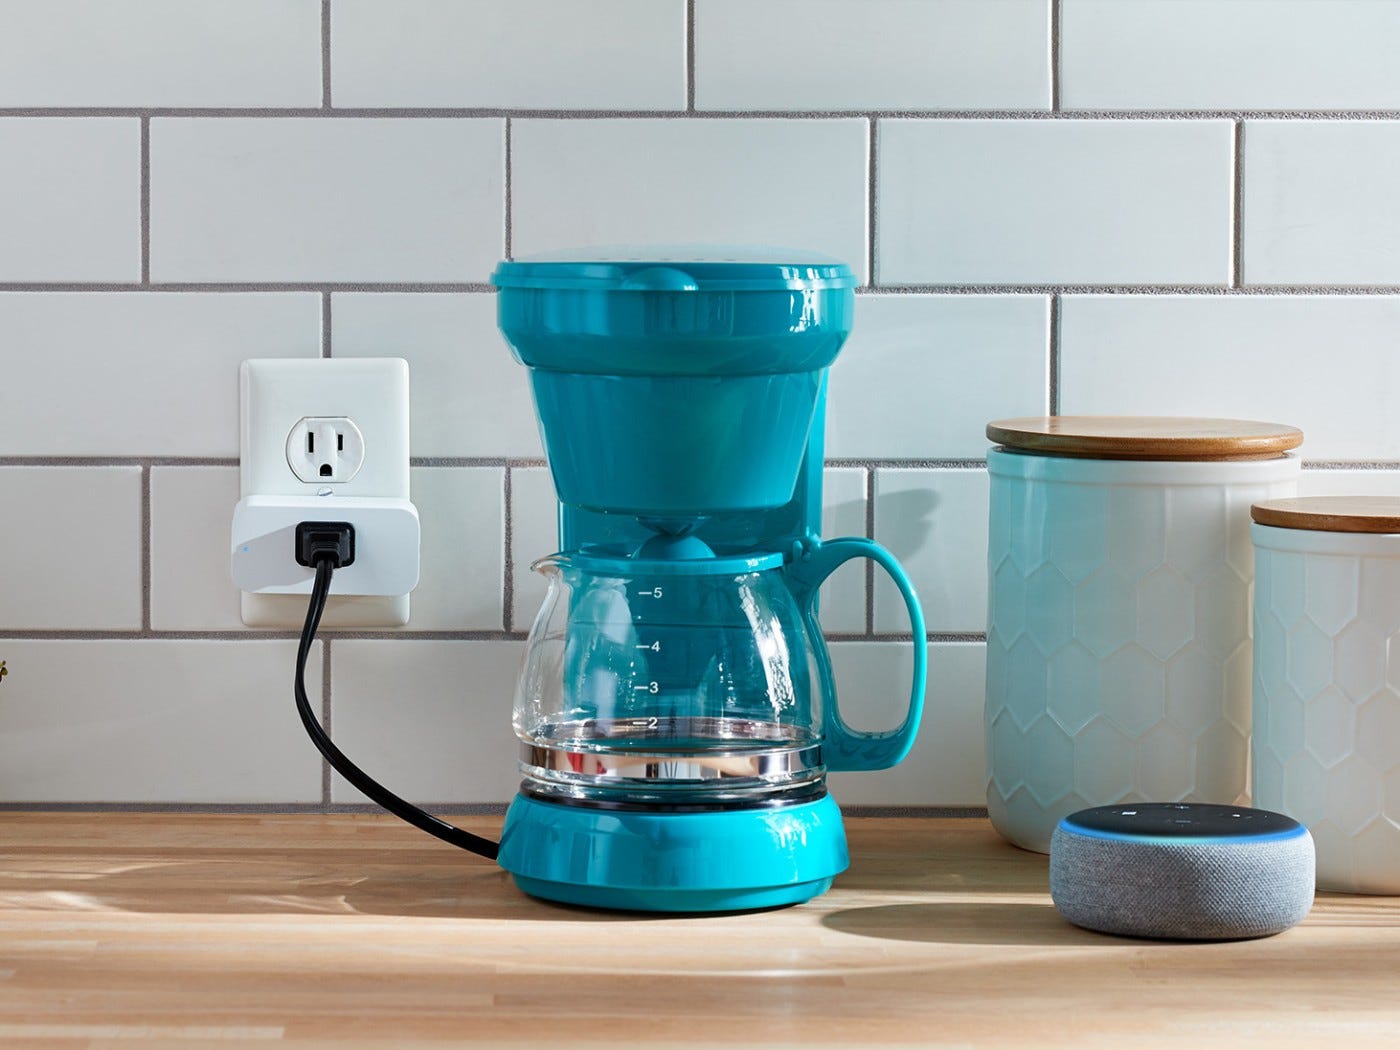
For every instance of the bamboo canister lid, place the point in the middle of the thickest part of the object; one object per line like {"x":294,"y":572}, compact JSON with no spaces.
{"x":1146,"y":437}
{"x":1331,"y":513}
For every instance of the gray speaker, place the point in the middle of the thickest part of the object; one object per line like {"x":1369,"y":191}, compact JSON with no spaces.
{"x":1182,"y":871}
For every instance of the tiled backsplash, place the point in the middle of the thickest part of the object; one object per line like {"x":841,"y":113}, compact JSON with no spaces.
{"x":1158,"y":206}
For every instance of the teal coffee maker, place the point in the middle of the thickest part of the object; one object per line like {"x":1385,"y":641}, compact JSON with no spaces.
{"x":676,"y":709}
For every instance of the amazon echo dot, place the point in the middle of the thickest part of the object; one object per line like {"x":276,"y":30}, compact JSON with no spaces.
{"x":1181,"y":871}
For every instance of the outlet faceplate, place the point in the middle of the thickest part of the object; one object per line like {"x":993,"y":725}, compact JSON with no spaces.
{"x":279,"y":399}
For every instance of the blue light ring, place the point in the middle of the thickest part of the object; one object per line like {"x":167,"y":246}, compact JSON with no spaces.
{"x":1069,"y":827}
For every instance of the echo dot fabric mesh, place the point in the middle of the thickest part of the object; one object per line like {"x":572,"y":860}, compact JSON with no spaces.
{"x":1182,"y":871}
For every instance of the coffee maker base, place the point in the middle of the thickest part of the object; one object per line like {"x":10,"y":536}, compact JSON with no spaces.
{"x":728,"y":860}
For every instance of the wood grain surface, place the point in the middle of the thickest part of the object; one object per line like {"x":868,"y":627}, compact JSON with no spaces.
{"x":1375,"y":514}
{"x":346,"y":932}
{"x":1146,"y":437}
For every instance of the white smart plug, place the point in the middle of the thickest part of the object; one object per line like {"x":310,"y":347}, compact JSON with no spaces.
{"x":325,"y":439}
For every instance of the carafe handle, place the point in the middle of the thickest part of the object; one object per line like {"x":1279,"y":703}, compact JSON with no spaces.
{"x":845,"y":748}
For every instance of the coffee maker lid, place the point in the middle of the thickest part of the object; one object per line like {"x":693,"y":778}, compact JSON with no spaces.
{"x":676,"y":268}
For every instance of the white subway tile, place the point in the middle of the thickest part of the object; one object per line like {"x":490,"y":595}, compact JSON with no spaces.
{"x":469,"y":397}
{"x":525,"y":54}
{"x":788,"y":183}
{"x":946,"y":766}
{"x":161,"y":53}
{"x":251,"y":199}
{"x":1349,"y":483}
{"x":881,"y":54}
{"x":843,"y":514}
{"x":1322,"y":363}
{"x":1245,"y":54}
{"x":70,"y":548}
{"x":462,"y":511}
{"x":429,"y":720}
{"x":137,"y":373}
{"x":1319,"y":203}
{"x":534,"y":532}
{"x":935,"y":523}
{"x":1053,"y":201}
{"x":155,"y":721}
{"x":956,"y":362}
{"x":70,"y":199}
{"x":191,"y":510}
{"x":460,"y":588}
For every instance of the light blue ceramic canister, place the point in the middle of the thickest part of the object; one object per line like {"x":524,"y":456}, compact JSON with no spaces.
{"x":1118,"y":637}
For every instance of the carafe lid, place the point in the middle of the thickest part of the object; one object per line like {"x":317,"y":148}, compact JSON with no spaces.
{"x":676,"y":269}
{"x":1146,"y":437}
{"x":1331,"y":513}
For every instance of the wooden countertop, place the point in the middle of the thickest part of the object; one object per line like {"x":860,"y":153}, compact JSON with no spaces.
{"x":347,"y":932}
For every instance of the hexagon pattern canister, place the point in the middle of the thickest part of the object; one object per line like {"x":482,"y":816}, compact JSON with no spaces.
{"x":1118,"y":655}
{"x":1327,"y":697}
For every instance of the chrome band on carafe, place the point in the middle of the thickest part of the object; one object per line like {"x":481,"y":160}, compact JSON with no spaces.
{"x":651,"y":758}
{"x":682,"y":767}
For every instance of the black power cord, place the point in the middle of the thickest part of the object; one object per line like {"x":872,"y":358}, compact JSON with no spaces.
{"x":330,"y":545}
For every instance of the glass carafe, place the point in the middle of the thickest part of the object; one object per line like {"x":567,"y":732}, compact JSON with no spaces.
{"x":692,"y":682}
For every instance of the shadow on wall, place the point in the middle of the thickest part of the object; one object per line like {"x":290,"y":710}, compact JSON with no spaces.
{"x":910,"y":516}
{"x":848,"y":518}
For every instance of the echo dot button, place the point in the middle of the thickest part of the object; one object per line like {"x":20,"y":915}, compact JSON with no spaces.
{"x":1184,"y":871}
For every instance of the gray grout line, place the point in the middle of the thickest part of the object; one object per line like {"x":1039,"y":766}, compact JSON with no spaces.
{"x":872,"y":184}
{"x":904,"y":464}
{"x":116,"y":461}
{"x":931,"y":637}
{"x":467,"y":462}
{"x":145,"y":200}
{"x":232,"y":461}
{"x":484,"y":288}
{"x":253,"y":635}
{"x":474,"y":461}
{"x":328,"y":634}
{"x":1237,"y":207}
{"x":1280,"y":290}
{"x":507,"y":245}
{"x":869,"y":564}
{"x":507,"y":560}
{"x":501,"y":112}
{"x":1053,"y":398}
{"x":142,"y":635}
{"x":445,"y":287}
{"x":325,"y":324}
{"x":1056,"y":21}
{"x":325,"y":55}
{"x":326,"y":717}
{"x":146,"y":548}
{"x":369,"y":635}
{"x":690,"y":56}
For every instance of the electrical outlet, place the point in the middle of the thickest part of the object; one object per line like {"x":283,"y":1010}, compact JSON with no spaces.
{"x":325,"y":449}
{"x":325,"y":439}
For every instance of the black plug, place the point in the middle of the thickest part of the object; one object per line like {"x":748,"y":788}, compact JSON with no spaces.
{"x":332,"y":541}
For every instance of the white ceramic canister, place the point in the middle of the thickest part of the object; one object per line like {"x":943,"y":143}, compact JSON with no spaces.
{"x":1120,"y":568}
{"x":1327,"y":681}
